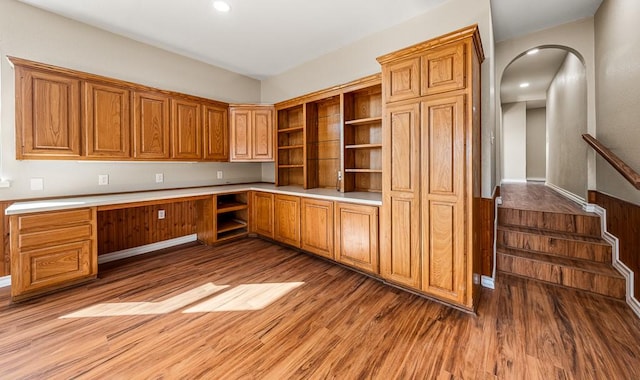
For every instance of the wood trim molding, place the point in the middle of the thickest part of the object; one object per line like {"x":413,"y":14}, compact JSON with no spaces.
{"x":488,"y":216}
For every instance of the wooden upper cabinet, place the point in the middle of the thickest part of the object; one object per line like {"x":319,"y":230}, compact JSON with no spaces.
{"x":186,"y":129}
{"x":216,"y":132}
{"x":402,"y":80}
{"x":151,"y":125}
{"x":443,"y":69}
{"x":251,"y":130}
{"x":262,"y":138}
{"x":47,"y":114}
{"x":106,"y":121}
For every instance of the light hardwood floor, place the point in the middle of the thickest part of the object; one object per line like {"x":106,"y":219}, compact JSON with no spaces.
{"x":167,"y":315}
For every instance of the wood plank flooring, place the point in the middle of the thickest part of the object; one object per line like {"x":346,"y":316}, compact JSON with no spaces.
{"x":537,"y":196}
{"x":171,"y":319}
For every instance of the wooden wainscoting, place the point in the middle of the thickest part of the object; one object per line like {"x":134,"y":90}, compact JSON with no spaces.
{"x":488,"y":216}
{"x":133,"y":227}
{"x":5,"y":263}
{"x":623,"y":221}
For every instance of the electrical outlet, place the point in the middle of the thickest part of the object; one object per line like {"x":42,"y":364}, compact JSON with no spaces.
{"x":220,"y":174}
{"x":339,"y":175}
{"x":160,"y":214}
{"x":103,"y":179}
{"x":159,"y":177}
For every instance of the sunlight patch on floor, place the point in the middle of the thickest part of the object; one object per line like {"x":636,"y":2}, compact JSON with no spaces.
{"x":245,"y":297}
{"x":148,"y":308}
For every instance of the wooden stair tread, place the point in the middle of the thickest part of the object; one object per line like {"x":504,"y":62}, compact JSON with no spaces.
{"x":585,"y":225}
{"x":502,"y":274}
{"x":574,"y":263}
{"x":553,"y":234}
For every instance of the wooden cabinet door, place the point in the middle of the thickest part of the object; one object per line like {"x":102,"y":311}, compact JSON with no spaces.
{"x":317,"y":227}
{"x":443,"y":211}
{"x":402,"y":80}
{"x":262,"y":214}
{"x":443,"y":69}
{"x":107,"y":121}
{"x":400,"y":215}
{"x":357,"y":236}
{"x":262,"y":138}
{"x":216,"y":133}
{"x":241,"y":135}
{"x":48,"y":115}
{"x":186,"y":129}
{"x":287,"y":219}
{"x":151,"y":125}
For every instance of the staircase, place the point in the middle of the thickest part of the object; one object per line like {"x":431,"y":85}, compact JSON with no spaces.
{"x":558,"y":247}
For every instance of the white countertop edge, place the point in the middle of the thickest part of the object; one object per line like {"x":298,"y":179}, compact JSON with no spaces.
{"x":364,"y":198}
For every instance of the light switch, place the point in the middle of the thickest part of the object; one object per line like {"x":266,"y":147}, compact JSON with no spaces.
{"x":37,"y":184}
{"x":159,"y":177}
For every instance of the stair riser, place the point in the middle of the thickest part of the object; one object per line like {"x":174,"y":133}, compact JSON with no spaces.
{"x":565,"y":223}
{"x":555,"y":246}
{"x":570,"y":277}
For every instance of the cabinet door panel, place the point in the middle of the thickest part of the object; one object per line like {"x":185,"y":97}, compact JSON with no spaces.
{"x":263,"y":135}
{"x":262,"y":214}
{"x":357,"y":236}
{"x":400,"y":259}
{"x":186,"y":127}
{"x":241,"y":135}
{"x":151,"y":125}
{"x":402,"y":80}
{"x":287,"y":219}
{"x":48,"y":115}
{"x":401,"y":146}
{"x":443,"y":69}
{"x":216,"y":135}
{"x":317,"y":227}
{"x":107,"y":121}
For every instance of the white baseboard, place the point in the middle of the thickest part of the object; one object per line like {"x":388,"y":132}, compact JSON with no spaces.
{"x":535,"y":179}
{"x":119,"y":255}
{"x":633,"y":303}
{"x":567,"y":194}
{"x":506,"y":180}
{"x":487,"y":282}
{"x":5,"y":281}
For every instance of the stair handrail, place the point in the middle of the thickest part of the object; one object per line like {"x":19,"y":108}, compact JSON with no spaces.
{"x":627,"y":172}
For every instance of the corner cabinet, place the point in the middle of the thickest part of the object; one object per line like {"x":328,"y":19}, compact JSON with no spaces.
{"x":431,"y":167}
{"x":51,"y":251}
{"x":251,"y":133}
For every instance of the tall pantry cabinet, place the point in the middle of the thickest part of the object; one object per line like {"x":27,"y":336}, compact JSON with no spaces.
{"x":430,"y":238}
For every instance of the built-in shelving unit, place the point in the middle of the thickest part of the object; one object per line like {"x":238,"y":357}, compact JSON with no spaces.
{"x":363,"y":139}
{"x":290,"y":164}
{"x":232,"y":215}
{"x":323,"y":142}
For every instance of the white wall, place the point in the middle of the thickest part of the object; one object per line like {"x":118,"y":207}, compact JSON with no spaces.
{"x":359,"y":59}
{"x":617,"y":47}
{"x":514,"y":143}
{"x":536,"y":144}
{"x":566,"y":122}
{"x":30,"y":33}
{"x":577,"y":36}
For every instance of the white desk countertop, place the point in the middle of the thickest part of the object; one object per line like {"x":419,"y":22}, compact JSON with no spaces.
{"x":365,"y":198}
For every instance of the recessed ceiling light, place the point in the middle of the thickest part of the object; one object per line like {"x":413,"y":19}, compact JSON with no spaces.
{"x":533,"y":51}
{"x":221,"y":6}
{"x":524,"y":85}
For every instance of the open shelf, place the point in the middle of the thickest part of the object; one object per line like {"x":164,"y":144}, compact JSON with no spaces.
{"x":232,"y":215}
{"x":364,"y":121}
{"x":232,"y":235}
{"x":363,"y":146}
{"x":292,"y":129}
{"x":230,"y":206}
{"x":291,"y":147}
{"x":363,"y":170}
{"x":291,"y":166}
{"x":231,"y":225}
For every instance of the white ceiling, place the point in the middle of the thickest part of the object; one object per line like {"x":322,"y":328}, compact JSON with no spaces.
{"x":538,"y":70}
{"x":261,"y":38}
{"x":257,"y":38}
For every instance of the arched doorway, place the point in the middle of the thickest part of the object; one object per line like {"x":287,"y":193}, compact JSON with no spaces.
{"x":543,"y":96}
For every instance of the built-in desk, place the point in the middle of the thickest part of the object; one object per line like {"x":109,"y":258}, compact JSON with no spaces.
{"x":54,"y":241}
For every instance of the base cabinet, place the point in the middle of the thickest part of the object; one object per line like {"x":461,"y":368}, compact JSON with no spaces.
{"x":317,"y":227}
{"x":262,"y":214}
{"x":52,"y":250}
{"x":287,"y":219}
{"x":357,"y":236}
